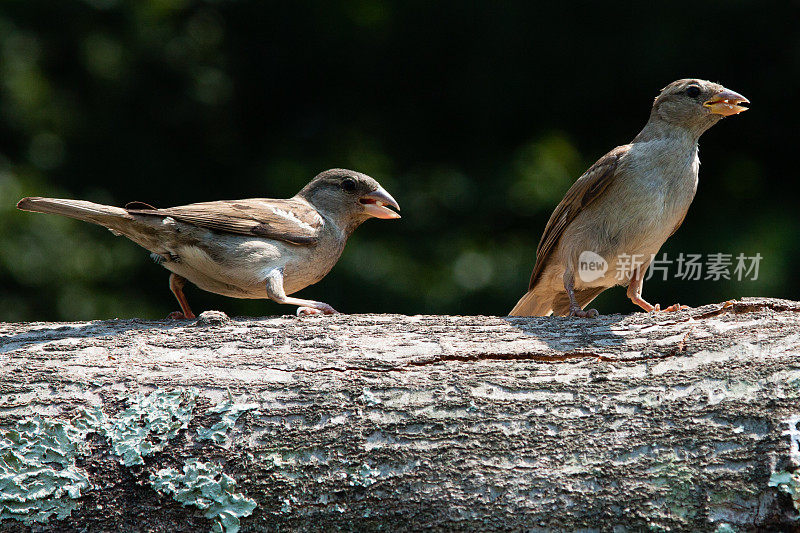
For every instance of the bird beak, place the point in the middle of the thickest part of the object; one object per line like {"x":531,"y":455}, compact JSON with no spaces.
{"x":374,"y":204}
{"x":726,"y":103}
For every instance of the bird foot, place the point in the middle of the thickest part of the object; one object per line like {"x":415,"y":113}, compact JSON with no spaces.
{"x":671,"y":308}
{"x":177,"y":315}
{"x":583,"y":313}
{"x":323,"y":309}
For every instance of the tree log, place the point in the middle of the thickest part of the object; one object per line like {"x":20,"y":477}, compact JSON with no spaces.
{"x":666,"y":421}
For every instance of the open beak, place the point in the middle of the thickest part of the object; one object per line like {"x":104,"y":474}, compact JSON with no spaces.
{"x":726,"y":103}
{"x":375,"y":204}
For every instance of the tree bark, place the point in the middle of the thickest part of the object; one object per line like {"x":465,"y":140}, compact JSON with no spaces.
{"x":666,"y":421}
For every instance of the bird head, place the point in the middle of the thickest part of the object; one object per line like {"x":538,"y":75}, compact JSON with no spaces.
{"x":696,"y":105}
{"x":349,"y":197}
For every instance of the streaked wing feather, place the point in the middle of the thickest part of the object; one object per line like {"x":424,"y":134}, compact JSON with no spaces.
{"x":292,"y":220}
{"x":583,"y":192}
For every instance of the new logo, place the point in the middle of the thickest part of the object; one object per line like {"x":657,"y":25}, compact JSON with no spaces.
{"x":591,"y":266}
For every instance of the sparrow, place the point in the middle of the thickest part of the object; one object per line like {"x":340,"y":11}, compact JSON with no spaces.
{"x":620,"y":211}
{"x":254,"y":248}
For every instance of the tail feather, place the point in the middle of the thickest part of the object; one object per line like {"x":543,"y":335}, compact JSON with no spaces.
{"x":542,"y":303}
{"x":144,"y":231}
{"x":104,"y":215}
{"x":533,"y":304}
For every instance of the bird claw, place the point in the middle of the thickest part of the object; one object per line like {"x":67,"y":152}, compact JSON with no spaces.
{"x":177,"y":315}
{"x":583,"y":313}
{"x":323,"y":309}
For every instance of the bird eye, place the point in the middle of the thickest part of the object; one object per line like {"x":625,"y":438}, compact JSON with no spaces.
{"x":693,"y":91}
{"x":348,"y":185}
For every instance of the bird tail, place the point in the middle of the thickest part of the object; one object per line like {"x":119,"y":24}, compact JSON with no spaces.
{"x":532,"y":304}
{"x":116,"y":219}
{"x":104,"y":215}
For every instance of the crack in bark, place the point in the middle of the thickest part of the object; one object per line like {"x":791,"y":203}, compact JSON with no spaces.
{"x":524,"y":356}
{"x":520,"y":356}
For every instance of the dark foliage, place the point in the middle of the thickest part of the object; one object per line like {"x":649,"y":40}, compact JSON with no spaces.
{"x":476,"y":116}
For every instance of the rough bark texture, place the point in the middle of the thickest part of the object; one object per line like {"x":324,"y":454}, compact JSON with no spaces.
{"x":681,"y":421}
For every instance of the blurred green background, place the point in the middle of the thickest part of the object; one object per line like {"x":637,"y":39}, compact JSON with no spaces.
{"x":476,"y":116}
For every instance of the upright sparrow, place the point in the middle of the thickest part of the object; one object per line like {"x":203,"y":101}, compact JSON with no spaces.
{"x":626,"y":205}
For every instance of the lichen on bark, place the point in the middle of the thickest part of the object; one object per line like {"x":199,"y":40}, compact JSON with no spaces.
{"x":662,"y":421}
{"x":38,"y":475}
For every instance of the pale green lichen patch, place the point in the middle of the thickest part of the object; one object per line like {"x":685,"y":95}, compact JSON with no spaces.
{"x":147,"y":425}
{"x":38,"y":476}
{"x":678,"y":481}
{"x":229,"y":412}
{"x":788,"y":482}
{"x":206,"y":487}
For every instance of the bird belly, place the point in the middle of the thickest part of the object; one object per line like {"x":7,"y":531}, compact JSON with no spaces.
{"x":640,"y":225}
{"x":210,"y":284}
{"x":239,"y":269}
{"x":227,"y":268}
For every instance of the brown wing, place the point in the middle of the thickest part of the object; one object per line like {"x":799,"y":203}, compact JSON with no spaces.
{"x":291,"y":220}
{"x":583,"y":192}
